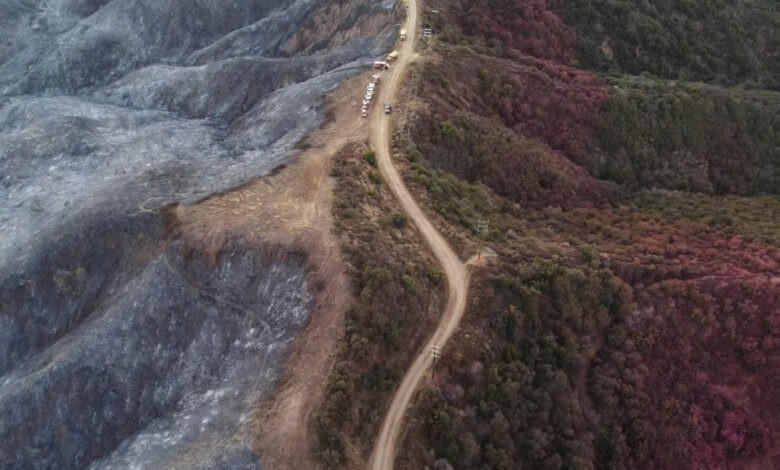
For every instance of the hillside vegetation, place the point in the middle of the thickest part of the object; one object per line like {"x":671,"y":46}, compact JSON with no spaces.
{"x":577,"y":347}
{"x":754,"y":219}
{"x":637,"y":131}
{"x":630,"y":317}
{"x":727,"y":42}
{"x":633,"y":131}
{"x":692,"y":137}
{"x":397,"y":297}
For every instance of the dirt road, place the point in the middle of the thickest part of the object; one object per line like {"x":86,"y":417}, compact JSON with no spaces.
{"x":383,"y":455}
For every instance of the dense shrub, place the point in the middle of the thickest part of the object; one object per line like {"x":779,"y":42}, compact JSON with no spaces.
{"x":370,"y":157}
{"x":523,"y":170}
{"x":642,"y":396}
{"x":638,"y":133}
{"x":595,"y":367}
{"x":644,"y":335}
{"x":552,"y":103}
{"x":394,"y":306}
{"x":726,"y":42}
{"x":531,"y":26}
{"x":516,"y":402}
{"x":753,"y":218}
{"x":686,"y":137}
{"x":721,"y":41}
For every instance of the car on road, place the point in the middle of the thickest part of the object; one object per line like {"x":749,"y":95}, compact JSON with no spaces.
{"x":388,"y":108}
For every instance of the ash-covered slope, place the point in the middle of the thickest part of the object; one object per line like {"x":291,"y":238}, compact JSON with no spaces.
{"x":165,"y":369}
{"x":135,"y":104}
{"x":120,"y":346}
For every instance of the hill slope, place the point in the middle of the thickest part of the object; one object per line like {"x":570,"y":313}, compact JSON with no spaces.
{"x":629,"y":318}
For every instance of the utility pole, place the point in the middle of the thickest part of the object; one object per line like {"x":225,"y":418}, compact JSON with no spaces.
{"x":435,"y":354}
{"x":482,"y":227}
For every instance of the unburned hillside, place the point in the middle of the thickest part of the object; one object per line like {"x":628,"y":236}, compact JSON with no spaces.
{"x":606,"y":338}
{"x":629,"y":166}
{"x":633,"y":131}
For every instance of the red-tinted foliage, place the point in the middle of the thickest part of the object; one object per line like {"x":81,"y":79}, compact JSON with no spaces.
{"x":689,"y":380}
{"x":532,"y":27}
{"x":523,"y":170}
{"x":713,"y":398}
{"x":708,"y":332}
{"x":685,"y":378}
{"x":553,"y":103}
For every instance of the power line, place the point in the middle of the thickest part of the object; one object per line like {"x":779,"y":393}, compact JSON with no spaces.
{"x":409,"y":120}
{"x":435,"y":354}
{"x":483,"y":225}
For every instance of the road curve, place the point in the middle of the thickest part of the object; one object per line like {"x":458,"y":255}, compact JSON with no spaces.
{"x":383,"y":454}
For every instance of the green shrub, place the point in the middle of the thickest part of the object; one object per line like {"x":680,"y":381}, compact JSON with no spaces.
{"x":493,"y":235}
{"x":370,"y":157}
{"x":435,"y":276}
{"x":69,"y":282}
{"x":447,"y":129}
{"x":387,"y":321}
{"x":375,"y":176}
{"x":399,"y":220}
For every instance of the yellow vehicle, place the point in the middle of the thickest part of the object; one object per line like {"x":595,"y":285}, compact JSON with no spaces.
{"x":392,"y":56}
{"x":402,"y":35}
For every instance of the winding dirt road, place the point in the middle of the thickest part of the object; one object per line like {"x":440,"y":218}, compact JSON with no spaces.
{"x":383,"y":455}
